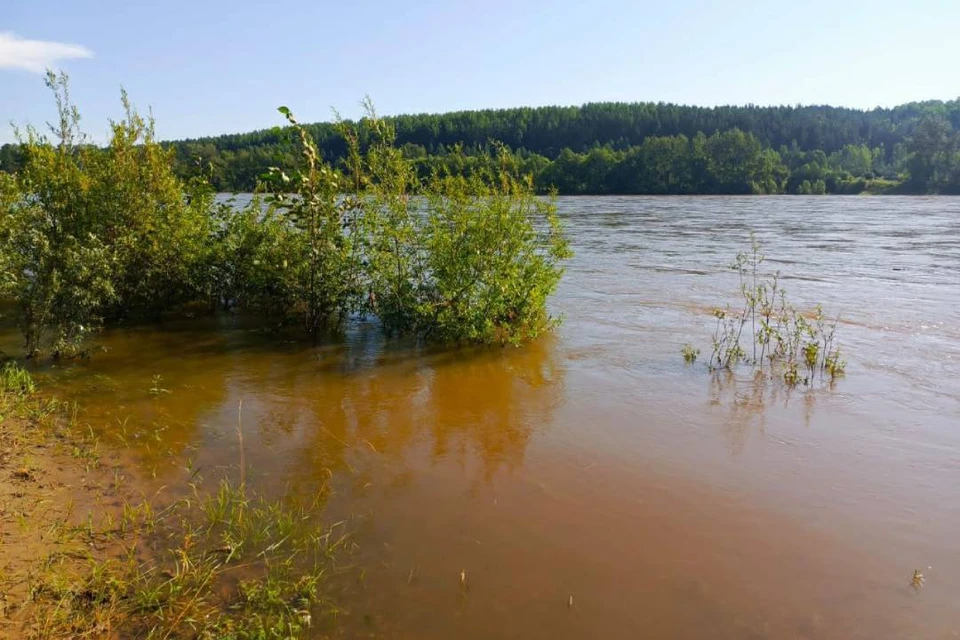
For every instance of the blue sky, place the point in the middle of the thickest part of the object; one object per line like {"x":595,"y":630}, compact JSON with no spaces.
{"x":208,"y":67}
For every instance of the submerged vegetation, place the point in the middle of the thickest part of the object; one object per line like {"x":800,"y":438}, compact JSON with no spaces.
{"x":769,"y":334}
{"x":95,"y":560}
{"x":222,"y":566}
{"x":92,"y":236}
{"x":15,"y":381}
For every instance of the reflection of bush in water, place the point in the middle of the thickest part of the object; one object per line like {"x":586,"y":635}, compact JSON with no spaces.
{"x":308,"y":409}
{"x":745,"y":401}
{"x":484,"y":403}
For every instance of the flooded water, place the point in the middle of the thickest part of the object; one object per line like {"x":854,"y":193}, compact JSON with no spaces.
{"x":592,"y":484}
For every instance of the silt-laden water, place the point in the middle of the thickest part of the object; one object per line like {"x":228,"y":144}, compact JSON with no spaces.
{"x":591,"y":484}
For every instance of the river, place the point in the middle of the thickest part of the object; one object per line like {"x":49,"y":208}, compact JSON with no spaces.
{"x":592,"y":484}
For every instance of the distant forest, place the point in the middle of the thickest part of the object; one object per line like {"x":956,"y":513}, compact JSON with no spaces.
{"x":639,"y":148}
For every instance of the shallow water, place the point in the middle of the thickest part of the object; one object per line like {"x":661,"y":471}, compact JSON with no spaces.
{"x":594,"y":464}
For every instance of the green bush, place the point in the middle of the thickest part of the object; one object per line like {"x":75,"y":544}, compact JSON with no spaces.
{"x":91,"y":235}
{"x":250,"y":260}
{"x":324,"y":261}
{"x":9,"y":194}
{"x":155,"y":226}
{"x":395,"y":277}
{"x":472,"y":259}
{"x":493,"y":254}
{"x":58,"y":270}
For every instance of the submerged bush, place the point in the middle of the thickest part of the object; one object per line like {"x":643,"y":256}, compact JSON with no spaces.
{"x":92,"y":236}
{"x":493,"y":254}
{"x":768,"y":333}
{"x":324,"y":262}
{"x":92,"y":233}
{"x":456,"y":258}
{"x":250,"y":260}
{"x":472,"y":260}
{"x":395,"y":275}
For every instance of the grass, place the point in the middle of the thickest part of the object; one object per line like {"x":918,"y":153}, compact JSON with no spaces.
{"x":222,"y":566}
{"x":98,"y":561}
{"x":15,"y":381}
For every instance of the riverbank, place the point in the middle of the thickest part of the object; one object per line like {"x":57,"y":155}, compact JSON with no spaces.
{"x":56,"y":487}
{"x":85,"y":553}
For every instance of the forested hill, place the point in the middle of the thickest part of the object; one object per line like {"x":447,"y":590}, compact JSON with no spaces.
{"x":549,"y":130}
{"x":650,"y":148}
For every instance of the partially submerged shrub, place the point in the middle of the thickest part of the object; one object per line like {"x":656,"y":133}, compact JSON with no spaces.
{"x":494,"y":252}
{"x":395,"y":274}
{"x":251,"y":260}
{"x":9,"y":195}
{"x":471,"y":259}
{"x":324,"y":261}
{"x":768,"y":333}
{"x":90,"y":235}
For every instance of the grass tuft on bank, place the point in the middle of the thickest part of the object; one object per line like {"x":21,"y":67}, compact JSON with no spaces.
{"x":85,"y":556}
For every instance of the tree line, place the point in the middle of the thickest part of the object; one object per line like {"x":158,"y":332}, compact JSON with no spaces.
{"x":641,"y":148}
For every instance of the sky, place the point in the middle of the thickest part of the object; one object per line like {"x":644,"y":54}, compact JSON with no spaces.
{"x":207,"y":67}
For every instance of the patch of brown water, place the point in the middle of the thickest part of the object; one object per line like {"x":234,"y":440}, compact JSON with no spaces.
{"x":542,"y":476}
{"x":647,"y":556}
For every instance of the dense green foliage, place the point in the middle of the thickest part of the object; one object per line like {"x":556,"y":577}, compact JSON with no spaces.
{"x":490,"y":249}
{"x":91,"y":236}
{"x":639,"y":148}
{"x":461,"y":256}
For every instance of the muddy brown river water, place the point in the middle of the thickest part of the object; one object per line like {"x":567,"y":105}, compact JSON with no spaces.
{"x":591,"y":485}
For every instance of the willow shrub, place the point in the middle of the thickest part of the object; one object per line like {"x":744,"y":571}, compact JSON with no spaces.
{"x":251,"y":258}
{"x":58,"y":270}
{"x":9,"y":195}
{"x":323,"y":263}
{"x":156,"y":227}
{"x":493,"y":252}
{"x":91,"y":233}
{"x":395,"y":275}
{"x":472,"y":258}
{"x":457,"y":258}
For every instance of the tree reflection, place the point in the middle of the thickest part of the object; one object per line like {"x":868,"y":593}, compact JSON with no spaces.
{"x":310,"y":412}
{"x":459,"y":406}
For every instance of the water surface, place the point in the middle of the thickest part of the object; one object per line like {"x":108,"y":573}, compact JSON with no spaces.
{"x":595,"y":465}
